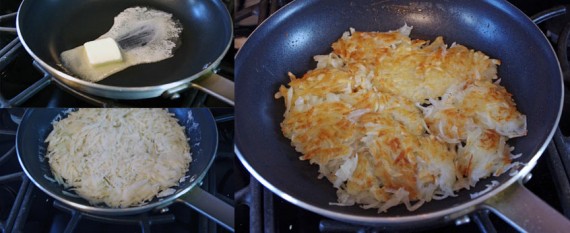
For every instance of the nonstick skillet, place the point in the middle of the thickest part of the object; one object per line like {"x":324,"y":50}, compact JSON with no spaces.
{"x":47,"y":28}
{"x":288,"y":40}
{"x":31,"y":148}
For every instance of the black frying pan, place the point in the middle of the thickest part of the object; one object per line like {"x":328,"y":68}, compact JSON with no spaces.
{"x":289,"y":39}
{"x":47,"y":28}
{"x":31,"y":149}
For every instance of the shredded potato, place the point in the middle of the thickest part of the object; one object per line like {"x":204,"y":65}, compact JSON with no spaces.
{"x":119,"y":157}
{"x":391,"y":120}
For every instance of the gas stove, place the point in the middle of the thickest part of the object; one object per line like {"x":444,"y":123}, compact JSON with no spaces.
{"x":24,"y":83}
{"x":25,"y":208}
{"x":260,"y":210}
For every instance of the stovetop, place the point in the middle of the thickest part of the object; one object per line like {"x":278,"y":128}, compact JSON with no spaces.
{"x":259,"y":210}
{"x":25,"y":208}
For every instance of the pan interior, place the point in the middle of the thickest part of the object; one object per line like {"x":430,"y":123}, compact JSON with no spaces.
{"x":289,"y":39}
{"x":36,"y":125}
{"x":51,"y":27}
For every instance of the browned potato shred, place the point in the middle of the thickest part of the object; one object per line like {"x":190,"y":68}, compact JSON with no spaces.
{"x":392,"y":120}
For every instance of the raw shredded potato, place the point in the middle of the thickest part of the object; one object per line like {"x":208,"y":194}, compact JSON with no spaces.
{"x":119,"y":157}
{"x":391,"y":120}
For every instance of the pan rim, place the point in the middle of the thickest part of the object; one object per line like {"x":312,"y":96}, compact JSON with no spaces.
{"x":447,"y":213}
{"x":118,"y":92}
{"x":108,"y":211}
{"x":395,"y":221}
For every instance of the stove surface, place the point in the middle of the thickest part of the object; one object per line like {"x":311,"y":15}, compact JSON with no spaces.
{"x":25,"y":208}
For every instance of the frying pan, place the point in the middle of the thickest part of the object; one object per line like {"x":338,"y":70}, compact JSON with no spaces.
{"x":31,"y":149}
{"x":288,"y":40}
{"x":47,"y":28}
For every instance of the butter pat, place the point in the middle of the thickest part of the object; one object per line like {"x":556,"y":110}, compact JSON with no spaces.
{"x":103,"y":51}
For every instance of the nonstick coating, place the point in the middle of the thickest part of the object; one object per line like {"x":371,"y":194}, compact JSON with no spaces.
{"x":48,"y":28}
{"x":31,"y":149}
{"x":289,"y":39}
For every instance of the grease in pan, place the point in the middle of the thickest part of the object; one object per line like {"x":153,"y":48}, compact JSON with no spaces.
{"x":143,"y":35}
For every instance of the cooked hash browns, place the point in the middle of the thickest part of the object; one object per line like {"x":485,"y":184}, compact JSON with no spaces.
{"x":392,"y":120}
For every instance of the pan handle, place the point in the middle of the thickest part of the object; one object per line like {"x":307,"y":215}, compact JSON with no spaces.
{"x":211,"y":206}
{"x":525,"y":211}
{"x":217,"y":86}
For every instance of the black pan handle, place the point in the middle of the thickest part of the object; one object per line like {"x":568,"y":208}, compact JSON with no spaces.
{"x":211,"y":206}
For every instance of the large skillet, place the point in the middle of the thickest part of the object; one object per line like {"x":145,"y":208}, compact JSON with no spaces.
{"x":31,"y":149}
{"x":47,"y":28}
{"x":289,"y":39}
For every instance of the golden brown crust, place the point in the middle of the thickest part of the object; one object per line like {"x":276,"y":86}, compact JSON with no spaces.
{"x":384,"y":117}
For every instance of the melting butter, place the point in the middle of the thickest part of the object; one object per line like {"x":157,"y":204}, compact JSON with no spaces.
{"x":144,"y":35}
